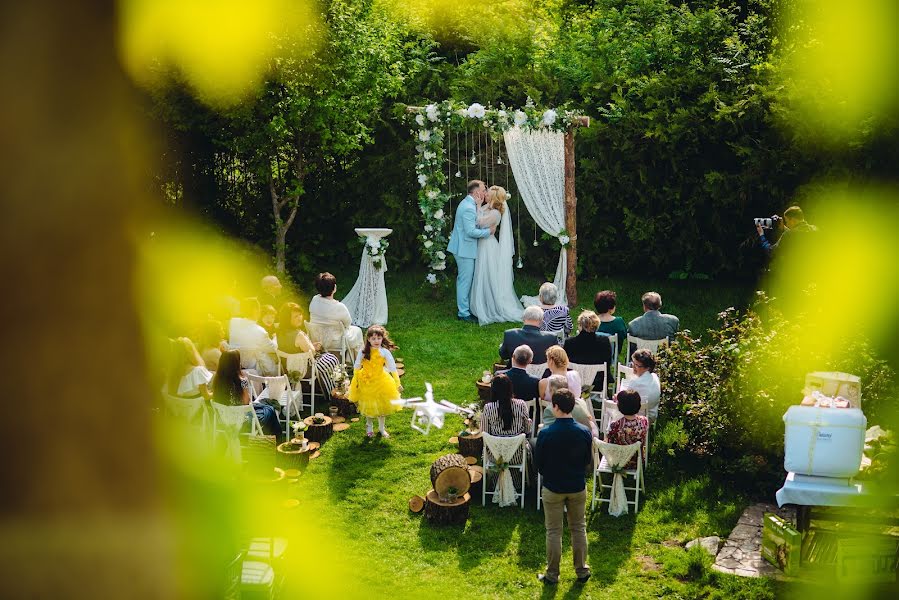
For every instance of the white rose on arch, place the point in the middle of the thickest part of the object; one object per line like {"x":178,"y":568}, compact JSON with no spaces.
{"x":423,"y":180}
{"x":440,"y":266}
{"x":431,"y":278}
{"x":549,"y":117}
{"x":428,"y":243}
{"x":431,"y":112}
{"x":424,"y":135}
{"x":433,"y":194}
{"x":520,"y":118}
{"x":440,"y":255}
{"x":476,"y":111}
{"x":428,"y":228}
{"x":419,"y":118}
{"x":439,"y":214}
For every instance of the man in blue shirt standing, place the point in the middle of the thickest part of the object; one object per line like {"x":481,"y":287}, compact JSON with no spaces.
{"x":562,"y":453}
{"x":463,"y":244}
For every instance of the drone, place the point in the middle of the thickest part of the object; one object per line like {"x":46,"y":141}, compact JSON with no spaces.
{"x":426,"y":412}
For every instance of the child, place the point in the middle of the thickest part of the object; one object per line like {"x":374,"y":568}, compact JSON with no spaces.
{"x":375,"y":380}
{"x":267,"y":319}
{"x":631,"y":428}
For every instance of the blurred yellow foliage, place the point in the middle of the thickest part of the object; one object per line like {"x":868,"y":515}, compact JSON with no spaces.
{"x":221,"y":47}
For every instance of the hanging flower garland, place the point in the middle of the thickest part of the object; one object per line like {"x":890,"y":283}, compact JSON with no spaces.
{"x":429,"y":125}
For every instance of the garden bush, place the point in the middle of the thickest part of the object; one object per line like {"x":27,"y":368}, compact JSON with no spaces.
{"x":725,"y":393}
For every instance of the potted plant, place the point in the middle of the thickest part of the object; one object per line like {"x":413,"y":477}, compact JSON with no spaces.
{"x":333,"y":410}
{"x":452,"y":494}
{"x":299,"y":432}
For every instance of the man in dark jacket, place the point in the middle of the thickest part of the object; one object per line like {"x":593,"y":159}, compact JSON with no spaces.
{"x":530,"y":335}
{"x":524,"y":385}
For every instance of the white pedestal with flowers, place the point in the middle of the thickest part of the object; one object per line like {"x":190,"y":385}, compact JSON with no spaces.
{"x":367,"y":301}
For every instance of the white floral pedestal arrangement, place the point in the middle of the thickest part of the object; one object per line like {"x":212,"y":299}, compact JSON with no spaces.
{"x":367,"y":301}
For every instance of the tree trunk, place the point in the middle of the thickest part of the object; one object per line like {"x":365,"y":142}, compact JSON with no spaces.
{"x":570,"y":220}
{"x":282,"y":225}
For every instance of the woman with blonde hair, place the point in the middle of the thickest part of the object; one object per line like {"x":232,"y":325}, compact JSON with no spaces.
{"x":493,"y":298}
{"x":188,"y":376}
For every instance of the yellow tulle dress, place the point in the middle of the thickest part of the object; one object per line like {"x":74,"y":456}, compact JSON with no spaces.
{"x":373,"y":388}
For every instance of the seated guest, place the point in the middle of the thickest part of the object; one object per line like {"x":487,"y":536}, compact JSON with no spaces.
{"x":325,"y":309}
{"x":257,"y":350}
{"x":645,"y":381}
{"x":187,"y":376}
{"x":270,"y":292}
{"x":291,"y":337}
{"x":652,"y":324}
{"x":232,"y":388}
{"x":529,"y":335}
{"x":267,"y":315}
{"x":212,"y":343}
{"x":556,"y":317}
{"x":557,"y":364}
{"x":609,"y":324}
{"x":587,"y":348}
{"x":582,"y":413}
{"x":631,"y":428}
{"x":524,"y":385}
{"x":505,"y":415}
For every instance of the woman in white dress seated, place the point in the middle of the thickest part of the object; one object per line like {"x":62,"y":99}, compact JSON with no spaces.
{"x":645,"y":382}
{"x":326,"y":310}
{"x":493,"y":298}
{"x":188,"y":376}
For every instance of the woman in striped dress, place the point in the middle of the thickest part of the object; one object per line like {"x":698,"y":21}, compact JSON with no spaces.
{"x":556,"y":317}
{"x":504,"y":415}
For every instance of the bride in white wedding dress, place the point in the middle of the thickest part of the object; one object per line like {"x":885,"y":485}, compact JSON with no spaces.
{"x":493,"y":297}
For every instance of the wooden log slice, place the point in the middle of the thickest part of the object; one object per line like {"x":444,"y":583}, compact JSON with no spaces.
{"x":319,"y":432}
{"x":471,"y":460}
{"x":339,"y":420}
{"x":313,"y":446}
{"x":450,"y":471}
{"x":484,"y":392}
{"x":292,"y":456}
{"x":416,"y":504}
{"x":315,"y":454}
{"x":400,"y":371}
{"x":341,"y":427}
{"x":438,"y":512}
{"x":471,"y":445}
{"x":477,"y":480}
{"x":454,"y":440}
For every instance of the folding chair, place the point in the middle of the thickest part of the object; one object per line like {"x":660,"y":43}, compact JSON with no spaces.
{"x":532,"y":413}
{"x":303,"y":363}
{"x":613,"y":457}
{"x":193,"y":411}
{"x":637,"y":343}
{"x":624,"y":372}
{"x":229,"y":420}
{"x":536,"y":370}
{"x":516,"y":456}
{"x":332,"y":337}
{"x":277,"y":389}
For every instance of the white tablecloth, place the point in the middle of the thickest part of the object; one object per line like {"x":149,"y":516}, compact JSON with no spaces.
{"x":821,"y":491}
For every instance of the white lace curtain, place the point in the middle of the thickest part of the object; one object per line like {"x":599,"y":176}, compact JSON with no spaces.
{"x":538,"y":165}
{"x":367,"y":301}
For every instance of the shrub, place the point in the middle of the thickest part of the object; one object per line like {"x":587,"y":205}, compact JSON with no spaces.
{"x":727,"y":393}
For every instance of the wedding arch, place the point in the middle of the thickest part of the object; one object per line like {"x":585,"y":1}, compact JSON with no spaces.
{"x":538,"y":145}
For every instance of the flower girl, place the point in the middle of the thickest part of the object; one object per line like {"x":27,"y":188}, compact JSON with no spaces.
{"x":375,"y":380}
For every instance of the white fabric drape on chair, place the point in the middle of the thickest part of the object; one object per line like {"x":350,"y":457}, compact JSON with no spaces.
{"x":538,"y":165}
{"x":367,"y":301}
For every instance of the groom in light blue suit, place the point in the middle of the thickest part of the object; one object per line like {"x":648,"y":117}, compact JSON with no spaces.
{"x":463,"y":244}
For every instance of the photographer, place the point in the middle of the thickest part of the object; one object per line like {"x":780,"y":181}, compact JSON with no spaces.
{"x":793,"y":224}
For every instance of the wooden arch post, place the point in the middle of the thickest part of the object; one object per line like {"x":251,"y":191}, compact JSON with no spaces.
{"x":571,"y":213}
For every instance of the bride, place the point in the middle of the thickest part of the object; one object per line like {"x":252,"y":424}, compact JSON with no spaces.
{"x":493,"y":297}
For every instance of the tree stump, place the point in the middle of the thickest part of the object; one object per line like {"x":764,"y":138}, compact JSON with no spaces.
{"x":471,"y":445}
{"x":438,"y":512}
{"x":259,"y":454}
{"x":345,"y":408}
{"x":484,"y":392}
{"x":450,"y":471}
{"x":416,"y":504}
{"x":292,"y":455}
{"x":477,"y":480}
{"x":319,"y":432}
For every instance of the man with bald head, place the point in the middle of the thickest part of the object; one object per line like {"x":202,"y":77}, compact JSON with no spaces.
{"x":271,"y":291}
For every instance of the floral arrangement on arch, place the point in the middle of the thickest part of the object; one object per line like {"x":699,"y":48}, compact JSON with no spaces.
{"x":429,"y":127}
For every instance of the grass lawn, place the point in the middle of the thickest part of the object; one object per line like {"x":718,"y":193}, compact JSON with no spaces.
{"x":364,"y":485}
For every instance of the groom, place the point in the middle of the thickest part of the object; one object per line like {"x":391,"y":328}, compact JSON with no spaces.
{"x":463,"y":244}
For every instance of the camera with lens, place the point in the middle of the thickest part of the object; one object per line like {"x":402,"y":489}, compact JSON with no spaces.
{"x":767,"y":222}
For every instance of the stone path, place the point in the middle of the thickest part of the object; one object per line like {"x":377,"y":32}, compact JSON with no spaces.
{"x":741,"y":554}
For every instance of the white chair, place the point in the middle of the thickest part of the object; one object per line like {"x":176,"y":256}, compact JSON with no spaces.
{"x":303,"y":363}
{"x":588,"y":375}
{"x":514,"y":452}
{"x":536,"y":370}
{"x":192,"y":411}
{"x":532,"y":413}
{"x":278,"y":389}
{"x":228,"y":420}
{"x":332,"y":337}
{"x":613,"y":457}
{"x":637,"y":343}
{"x":611,"y":413}
{"x":624,"y":372}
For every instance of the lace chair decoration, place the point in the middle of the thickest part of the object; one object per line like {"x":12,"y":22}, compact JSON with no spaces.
{"x":332,"y":337}
{"x":536,"y":370}
{"x":614,"y":461}
{"x":502,"y":455}
{"x":187,"y":410}
{"x":229,"y":420}
{"x":633,"y":343}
